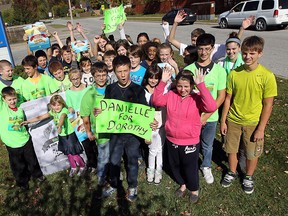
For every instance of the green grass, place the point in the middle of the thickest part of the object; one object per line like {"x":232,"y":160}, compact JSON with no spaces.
{"x":61,"y":195}
{"x":57,"y":26}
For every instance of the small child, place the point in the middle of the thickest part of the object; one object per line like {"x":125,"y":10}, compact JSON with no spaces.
{"x":22,"y":157}
{"x":36,"y":85}
{"x":137,"y":72}
{"x":151,"y":80}
{"x":122,"y":47}
{"x":66,"y":58}
{"x":108,"y":59}
{"x":150,"y":54}
{"x":166,"y":56}
{"x":62,"y":80}
{"x":42,"y":62}
{"x":85,"y":67}
{"x":68,"y":142}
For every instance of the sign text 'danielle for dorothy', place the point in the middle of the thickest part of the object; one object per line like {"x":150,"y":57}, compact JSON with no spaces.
{"x":124,"y":117}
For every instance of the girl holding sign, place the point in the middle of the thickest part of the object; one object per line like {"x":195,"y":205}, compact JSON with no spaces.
{"x":68,"y":141}
{"x":183,"y":126}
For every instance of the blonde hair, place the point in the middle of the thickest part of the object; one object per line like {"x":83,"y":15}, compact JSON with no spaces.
{"x":58,"y":99}
{"x":74,"y":71}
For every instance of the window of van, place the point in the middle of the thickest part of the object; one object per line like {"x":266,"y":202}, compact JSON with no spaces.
{"x":251,"y":6}
{"x":267,"y":4}
{"x":283,"y":4}
{"x":238,"y":7}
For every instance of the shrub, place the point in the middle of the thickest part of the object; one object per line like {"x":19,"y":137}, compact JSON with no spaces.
{"x":60,"y":10}
{"x":8,"y":15}
{"x":19,"y":71}
{"x":129,"y":11}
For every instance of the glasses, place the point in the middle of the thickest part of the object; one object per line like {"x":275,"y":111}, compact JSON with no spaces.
{"x":207,"y":50}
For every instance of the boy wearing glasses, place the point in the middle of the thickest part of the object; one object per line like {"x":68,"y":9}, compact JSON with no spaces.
{"x":215,"y":81}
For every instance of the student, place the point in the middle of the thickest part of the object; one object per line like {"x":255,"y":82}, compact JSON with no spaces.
{"x":219,"y":50}
{"x":36,"y":85}
{"x":190,"y":54}
{"x":215,"y":81}
{"x":124,"y":90}
{"x":137,"y":72}
{"x":142,"y":38}
{"x":68,"y":141}
{"x":183,"y":126}
{"x":108,"y":59}
{"x":85,"y":67}
{"x":42,"y":62}
{"x":66,"y":58}
{"x":99,"y":46}
{"x":151,"y":80}
{"x":61,"y":78}
{"x":99,"y":71}
{"x":251,"y":89}
{"x":150,"y":54}
{"x":22,"y":157}
{"x":74,"y":97}
{"x":166,"y":56}
{"x":234,"y":57}
{"x":122,"y":47}
{"x":8,"y":79}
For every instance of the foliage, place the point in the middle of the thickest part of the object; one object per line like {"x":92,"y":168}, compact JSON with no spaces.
{"x":19,"y":71}
{"x":129,"y":11}
{"x":8,"y":15}
{"x":78,"y":11}
{"x":24,"y":12}
{"x":60,"y":10}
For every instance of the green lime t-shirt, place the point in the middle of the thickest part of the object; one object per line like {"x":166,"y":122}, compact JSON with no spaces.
{"x":65,"y":84}
{"x":11,"y":133}
{"x":88,"y":103}
{"x":73,"y":98}
{"x":215,"y":81}
{"x":17,"y":84}
{"x":44,"y":87}
{"x":67,"y":127}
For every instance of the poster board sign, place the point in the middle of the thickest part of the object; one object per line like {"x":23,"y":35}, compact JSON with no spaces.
{"x":80,"y":46}
{"x":45,"y":137}
{"x":5,"y":50}
{"x":78,"y":125}
{"x":37,"y":36}
{"x":113,"y":17}
{"x":124,"y":117}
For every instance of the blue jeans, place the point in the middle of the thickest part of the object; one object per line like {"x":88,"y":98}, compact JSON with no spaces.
{"x":103,"y":159}
{"x":207,"y":139}
{"x":118,"y":144}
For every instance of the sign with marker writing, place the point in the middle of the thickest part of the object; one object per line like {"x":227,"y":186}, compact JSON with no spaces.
{"x":113,"y":17}
{"x":124,"y":117}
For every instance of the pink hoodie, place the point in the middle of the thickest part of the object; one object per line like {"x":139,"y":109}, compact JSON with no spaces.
{"x":183,"y":123}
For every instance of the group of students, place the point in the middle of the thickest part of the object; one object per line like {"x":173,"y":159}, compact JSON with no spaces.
{"x":186,"y":103}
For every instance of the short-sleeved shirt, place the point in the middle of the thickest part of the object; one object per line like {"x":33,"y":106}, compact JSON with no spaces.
{"x":44,"y":86}
{"x":88,"y":103}
{"x":87,"y":79}
{"x":74,"y":98}
{"x":65,"y":84}
{"x":11,"y":133}
{"x":67,"y":126}
{"x":215,"y":81}
{"x":17,"y":84}
{"x":248,"y":89}
{"x":138,"y":76}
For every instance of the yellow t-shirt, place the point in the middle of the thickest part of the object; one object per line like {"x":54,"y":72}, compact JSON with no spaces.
{"x":248,"y":89}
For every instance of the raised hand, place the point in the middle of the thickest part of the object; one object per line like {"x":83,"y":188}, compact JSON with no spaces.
{"x":96,"y":39}
{"x":79,"y":27}
{"x":180,"y":16}
{"x":199,"y":76}
{"x":166,"y":74}
{"x":97,"y":111}
{"x":70,"y":26}
{"x":248,"y":21}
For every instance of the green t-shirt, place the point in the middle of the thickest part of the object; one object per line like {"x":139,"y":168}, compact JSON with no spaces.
{"x":17,"y":84}
{"x":64,"y":84}
{"x":66,"y":127}
{"x":73,"y":98}
{"x":11,"y":133}
{"x":44,"y":87}
{"x":88,"y":103}
{"x":248,"y":89}
{"x":215,"y":81}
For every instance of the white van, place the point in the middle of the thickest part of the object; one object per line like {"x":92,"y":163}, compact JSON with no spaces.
{"x":267,"y":13}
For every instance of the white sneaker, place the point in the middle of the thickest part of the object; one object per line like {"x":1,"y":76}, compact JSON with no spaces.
{"x":158,"y":177}
{"x":150,"y":175}
{"x":73,"y":172}
{"x":82,"y":171}
{"x":208,"y":175}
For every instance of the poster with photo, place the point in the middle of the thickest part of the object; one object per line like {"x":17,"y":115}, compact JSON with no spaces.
{"x":80,"y":46}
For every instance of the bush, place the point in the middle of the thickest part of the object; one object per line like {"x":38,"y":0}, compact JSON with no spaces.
{"x":129,"y":11}
{"x":60,"y":10}
{"x":19,"y":71}
{"x":77,"y":11}
{"x":8,"y":15}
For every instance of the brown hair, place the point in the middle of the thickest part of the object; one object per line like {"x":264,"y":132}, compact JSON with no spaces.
{"x":135,"y":51}
{"x":197,"y":32}
{"x":8,"y":91}
{"x":54,"y":66}
{"x":253,"y":43}
{"x":99,"y":67}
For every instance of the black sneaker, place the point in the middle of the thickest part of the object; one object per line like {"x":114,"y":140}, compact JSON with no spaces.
{"x":228,"y":179}
{"x":132,"y":194}
{"x":41,"y":179}
{"x":248,"y":184}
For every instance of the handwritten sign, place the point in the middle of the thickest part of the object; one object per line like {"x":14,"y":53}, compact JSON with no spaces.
{"x":113,"y":17}
{"x":37,"y":36}
{"x":124,"y":117}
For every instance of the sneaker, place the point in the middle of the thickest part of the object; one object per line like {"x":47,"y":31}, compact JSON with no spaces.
{"x":132,"y":194}
{"x":101,"y":181}
{"x":108,"y":192}
{"x":82,"y":171}
{"x":150,"y":175}
{"x":41,"y":179}
{"x":73,"y":172}
{"x":228,"y":179}
{"x":248,"y":184}
{"x":179,"y":193}
{"x":158,"y":177}
{"x":207,"y":173}
{"x":194,"y":197}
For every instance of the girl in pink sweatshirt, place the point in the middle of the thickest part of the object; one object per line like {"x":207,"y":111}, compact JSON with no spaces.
{"x":183,"y":126}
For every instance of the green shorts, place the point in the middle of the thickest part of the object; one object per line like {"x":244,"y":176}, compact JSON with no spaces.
{"x":238,"y":133}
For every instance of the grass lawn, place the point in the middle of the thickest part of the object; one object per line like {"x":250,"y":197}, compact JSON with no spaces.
{"x":61,"y":195}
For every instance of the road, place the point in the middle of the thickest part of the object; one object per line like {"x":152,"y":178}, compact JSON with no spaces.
{"x":275,"y":51}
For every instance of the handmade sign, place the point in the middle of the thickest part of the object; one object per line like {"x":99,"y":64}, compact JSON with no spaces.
{"x":37,"y":36}
{"x":80,"y":46}
{"x":78,"y":125}
{"x":124,"y":117}
{"x":113,"y":17}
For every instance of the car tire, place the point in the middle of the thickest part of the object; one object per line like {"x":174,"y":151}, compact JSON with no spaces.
{"x":191,"y":23}
{"x":223,"y":23}
{"x":261,"y":25}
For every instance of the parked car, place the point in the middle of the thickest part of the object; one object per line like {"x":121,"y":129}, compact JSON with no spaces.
{"x":189,"y":19}
{"x":267,"y":12}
